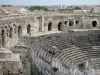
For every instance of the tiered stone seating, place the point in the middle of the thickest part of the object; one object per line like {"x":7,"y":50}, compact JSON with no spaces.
{"x":69,"y":55}
{"x":96,"y":64}
{"x":43,"y":54}
{"x":94,"y":52}
{"x":67,"y":50}
{"x":81,"y":41}
{"x":62,"y":43}
{"x":95,"y":38}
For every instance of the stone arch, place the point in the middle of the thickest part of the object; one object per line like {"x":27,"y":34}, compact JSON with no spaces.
{"x":94,"y":23}
{"x":19,"y":31}
{"x":77,"y":22}
{"x":28,"y":28}
{"x":60,"y":24}
{"x":3,"y":38}
{"x":11,"y":33}
{"x":71,"y":23}
{"x":50,"y":26}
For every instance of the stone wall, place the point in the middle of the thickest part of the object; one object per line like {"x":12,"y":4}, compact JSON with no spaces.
{"x":12,"y":28}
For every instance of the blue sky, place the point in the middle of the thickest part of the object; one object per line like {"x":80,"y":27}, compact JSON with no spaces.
{"x":50,"y":2}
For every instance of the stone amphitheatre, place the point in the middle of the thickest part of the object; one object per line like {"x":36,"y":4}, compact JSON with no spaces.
{"x":53,"y":43}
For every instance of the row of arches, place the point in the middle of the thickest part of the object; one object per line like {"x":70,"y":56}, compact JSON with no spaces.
{"x":3,"y":33}
{"x":60,"y":28}
{"x":12,"y":31}
{"x":71,"y":23}
{"x":20,"y":30}
{"x":60,"y":24}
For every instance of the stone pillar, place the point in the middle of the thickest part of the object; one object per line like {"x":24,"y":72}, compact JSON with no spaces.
{"x":54,"y":26}
{"x":68,"y":24}
{"x":42,"y":23}
{"x":74,"y":22}
{"x":24,"y":30}
{"x":36,"y":24}
{"x":65,"y":28}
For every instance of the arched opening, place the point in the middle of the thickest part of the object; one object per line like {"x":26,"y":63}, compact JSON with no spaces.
{"x":50,"y":26}
{"x":28,"y":29}
{"x":3,"y":38}
{"x":65,"y":22}
{"x":19,"y":31}
{"x":77,"y":22}
{"x":11,"y":33}
{"x":71,"y":23}
{"x":60,"y":26}
{"x":94,"y":23}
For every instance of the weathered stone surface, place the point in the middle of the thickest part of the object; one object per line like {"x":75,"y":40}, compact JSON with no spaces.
{"x":16,"y":32}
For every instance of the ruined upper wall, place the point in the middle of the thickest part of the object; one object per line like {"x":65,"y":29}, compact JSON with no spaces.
{"x":13,"y":27}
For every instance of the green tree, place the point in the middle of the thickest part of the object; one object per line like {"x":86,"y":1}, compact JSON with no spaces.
{"x":38,"y":8}
{"x":77,"y":7}
{"x":6,"y":5}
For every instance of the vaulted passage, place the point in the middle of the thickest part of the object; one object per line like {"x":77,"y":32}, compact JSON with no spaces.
{"x":11,"y":33}
{"x":60,"y":26}
{"x":94,"y":23}
{"x":3,"y":38}
{"x":28,"y":29}
{"x":19,"y":31}
{"x":50,"y":26}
